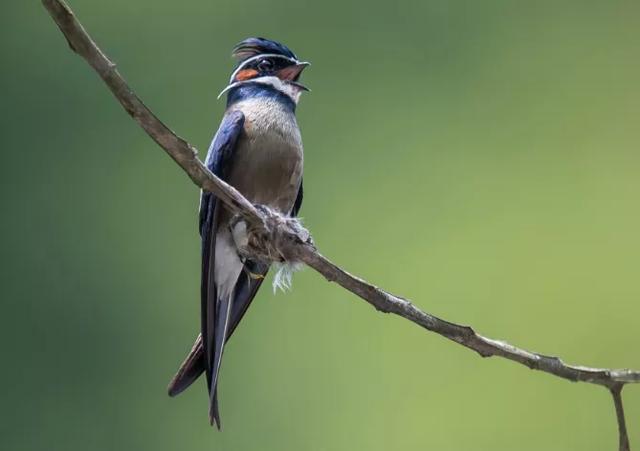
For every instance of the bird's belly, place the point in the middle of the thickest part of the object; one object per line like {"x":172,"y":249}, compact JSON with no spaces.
{"x":267,"y":169}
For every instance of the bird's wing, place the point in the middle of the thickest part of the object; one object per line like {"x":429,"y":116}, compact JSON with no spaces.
{"x":298,"y":203}
{"x":220,"y":151}
{"x":218,"y":158}
{"x":215,"y":313}
{"x":246,"y":288}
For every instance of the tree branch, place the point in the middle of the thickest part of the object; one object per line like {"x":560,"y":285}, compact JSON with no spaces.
{"x":293,"y":243}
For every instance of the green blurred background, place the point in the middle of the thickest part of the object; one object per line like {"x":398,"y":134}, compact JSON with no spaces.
{"x":480,"y":158}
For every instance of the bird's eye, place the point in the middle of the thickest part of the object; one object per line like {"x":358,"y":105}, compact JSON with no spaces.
{"x":265,"y":66}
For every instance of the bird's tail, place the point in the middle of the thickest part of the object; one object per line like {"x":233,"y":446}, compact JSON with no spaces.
{"x":195,"y":363}
{"x":214,"y":411}
{"x":223,"y":314}
{"x":190,"y":370}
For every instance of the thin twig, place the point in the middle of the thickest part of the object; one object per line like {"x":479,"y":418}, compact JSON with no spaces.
{"x":297,"y":246}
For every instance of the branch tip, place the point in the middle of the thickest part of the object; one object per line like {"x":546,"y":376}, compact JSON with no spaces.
{"x":623,"y":436}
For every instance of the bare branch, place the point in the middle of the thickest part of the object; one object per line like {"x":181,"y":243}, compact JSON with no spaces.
{"x":294,"y":243}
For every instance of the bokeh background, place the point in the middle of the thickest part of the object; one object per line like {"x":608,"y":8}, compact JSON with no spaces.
{"x":480,"y":158}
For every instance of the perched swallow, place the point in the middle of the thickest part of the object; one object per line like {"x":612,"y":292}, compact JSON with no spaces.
{"x":258,"y":150}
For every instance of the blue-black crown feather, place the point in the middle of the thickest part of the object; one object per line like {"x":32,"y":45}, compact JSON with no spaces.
{"x":256,"y":46}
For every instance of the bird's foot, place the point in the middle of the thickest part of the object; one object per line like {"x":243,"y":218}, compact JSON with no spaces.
{"x":255,"y":276}
{"x":272,"y":240}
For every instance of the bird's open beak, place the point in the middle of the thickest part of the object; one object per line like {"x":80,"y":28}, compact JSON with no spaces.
{"x":291,"y":74}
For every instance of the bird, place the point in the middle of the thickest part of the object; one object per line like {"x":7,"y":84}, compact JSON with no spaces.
{"x":257,"y":150}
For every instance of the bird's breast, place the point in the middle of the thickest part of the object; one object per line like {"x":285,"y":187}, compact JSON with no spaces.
{"x":267,"y":162}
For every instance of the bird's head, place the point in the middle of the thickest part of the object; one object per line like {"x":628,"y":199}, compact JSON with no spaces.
{"x":269,"y":64}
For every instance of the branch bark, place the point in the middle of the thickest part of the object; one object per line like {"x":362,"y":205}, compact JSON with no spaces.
{"x":294,"y":243}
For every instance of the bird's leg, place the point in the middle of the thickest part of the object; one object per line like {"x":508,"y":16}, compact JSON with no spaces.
{"x":241,"y":239}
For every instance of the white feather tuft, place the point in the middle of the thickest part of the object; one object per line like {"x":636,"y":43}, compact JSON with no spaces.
{"x":283,"y":278}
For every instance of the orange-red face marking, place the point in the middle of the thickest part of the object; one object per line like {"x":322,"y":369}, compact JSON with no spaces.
{"x":246,"y":74}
